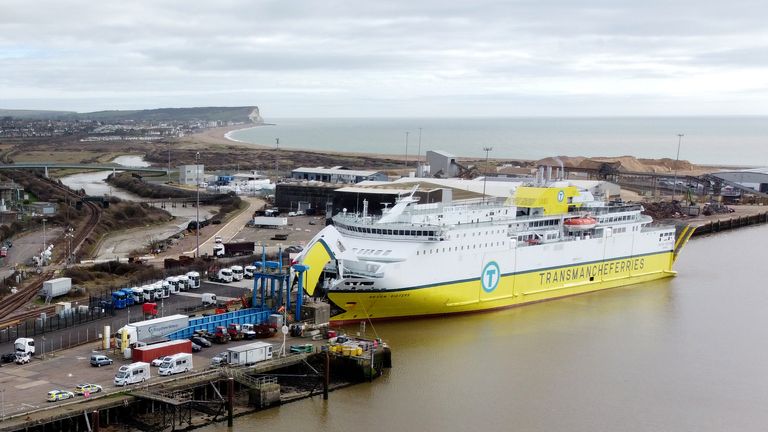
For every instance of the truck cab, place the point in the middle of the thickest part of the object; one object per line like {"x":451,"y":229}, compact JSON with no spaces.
{"x":24,"y":346}
{"x":149,"y":293}
{"x":235,"y":331}
{"x":138,"y":295}
{"x":118,"y":300}
{"x":220,"y":335}
{"x":129,"y":300}
{"x":218,"y":250}
{"x":249,"y":271}
{"x":183,"y":282}
{"x":223,"y":275}
{"x":237,"y":272}
{"x":194,"y":279}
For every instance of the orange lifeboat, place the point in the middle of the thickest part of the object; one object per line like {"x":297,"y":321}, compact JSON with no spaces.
{"x":580,"y":223}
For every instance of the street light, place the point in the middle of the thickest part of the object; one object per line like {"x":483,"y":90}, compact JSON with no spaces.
{"x":69,"y":236}
{"x":485,"y":173}
{"x":677,"y":158}
{"x":197,"y":204}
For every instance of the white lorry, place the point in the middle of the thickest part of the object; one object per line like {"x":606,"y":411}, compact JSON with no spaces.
{"x":177,"y":363}
{"x":249,"y":354}
{"x":183,"y":282}
{"x":144,"y":331}
{"x":237,"y":272}
{"x":194,"y":279}
{"x":24,"y":346}
{"x":223,"y":275}
{"x":249,"y":271}
{"x":132,"y":373}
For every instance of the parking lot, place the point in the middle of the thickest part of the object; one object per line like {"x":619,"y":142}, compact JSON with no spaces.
{"x":25,"y":387}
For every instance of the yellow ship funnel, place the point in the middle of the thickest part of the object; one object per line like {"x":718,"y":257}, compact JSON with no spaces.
{"x":553,"y":200}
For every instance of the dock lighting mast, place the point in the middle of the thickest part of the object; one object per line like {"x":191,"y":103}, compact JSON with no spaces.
{"x":406,"y":151}
{"x":277,"y":160}
{"x":197,"y":204}
{"x":418,"y":157}
{"x":677,"y":158}
{"x":485,"y":173}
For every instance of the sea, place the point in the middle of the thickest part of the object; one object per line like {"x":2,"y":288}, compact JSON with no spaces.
{"x":730,"y":141}
{"x":687,"y":353}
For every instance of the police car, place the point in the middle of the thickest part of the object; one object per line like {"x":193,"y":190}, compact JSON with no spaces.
{"x":57,"y":395}
{"x":82,"y":389}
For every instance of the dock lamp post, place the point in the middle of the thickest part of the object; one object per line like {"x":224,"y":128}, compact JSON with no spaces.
{"x":197,"y":205}
{"x":677,"y":158}
{"x":44,"y":234}
{"x":485,"y":174}
{"x":406,"y":152}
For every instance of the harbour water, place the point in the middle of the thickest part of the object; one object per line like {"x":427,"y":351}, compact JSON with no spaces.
{"x":681,"y":354}
{"x":707,"y":140}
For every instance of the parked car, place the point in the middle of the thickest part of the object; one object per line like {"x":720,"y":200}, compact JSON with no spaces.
{"x":57,"y":395}
{"x":199,"y":340}
{"x":22,"y":358}
{"x":8,"y":357}
{"x":220,"y":359}
{"x":196,"y":347}
{"x":82,"y":389}
{"x":99,"y":360}
{"x":8,"y":244}
{"x":158,"y":361}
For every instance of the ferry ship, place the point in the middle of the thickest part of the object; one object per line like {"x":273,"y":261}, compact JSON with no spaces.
{"x":548,"y":239}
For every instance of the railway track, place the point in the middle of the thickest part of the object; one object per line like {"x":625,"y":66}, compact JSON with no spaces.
{"x":15,"y":302}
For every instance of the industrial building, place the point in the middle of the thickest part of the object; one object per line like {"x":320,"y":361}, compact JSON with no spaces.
{"x":337,"y":174}
{"x":756,"y":179}
{"x":442,"y":164}
{"x":191,"y":174}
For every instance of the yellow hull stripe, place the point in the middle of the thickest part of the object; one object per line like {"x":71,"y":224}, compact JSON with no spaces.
{"x":512,"y":290}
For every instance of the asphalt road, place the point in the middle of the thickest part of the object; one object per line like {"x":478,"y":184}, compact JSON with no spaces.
{"x":25,"y":247}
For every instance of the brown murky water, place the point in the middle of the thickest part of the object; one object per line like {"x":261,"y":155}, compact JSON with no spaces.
{"x":683,"y":354}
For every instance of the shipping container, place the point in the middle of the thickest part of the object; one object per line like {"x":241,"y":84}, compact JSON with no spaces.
{"x":148,"y":353}
{"x":56,"y":287}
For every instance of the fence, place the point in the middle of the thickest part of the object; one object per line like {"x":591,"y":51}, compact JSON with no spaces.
{"x":53,"y":323}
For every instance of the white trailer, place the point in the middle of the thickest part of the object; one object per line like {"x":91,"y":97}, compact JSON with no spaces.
{"x":144,"y":331}
{"x":269,"y":222}
{"x":56,"y":287}
{"x":249,"y":354}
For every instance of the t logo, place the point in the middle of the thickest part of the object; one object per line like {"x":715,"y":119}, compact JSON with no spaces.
{"x":490,"y":277}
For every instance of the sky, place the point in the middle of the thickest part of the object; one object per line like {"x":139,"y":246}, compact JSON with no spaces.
{"x":417,"y":58}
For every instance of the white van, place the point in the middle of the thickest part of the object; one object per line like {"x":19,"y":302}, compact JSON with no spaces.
{"x":209,"y":299}
{"x":132,"y":373}
{"x":177,"y":363}
{"x":249,"y":271}
{"x":194,"y":279}
{"x":237,"y":272}
{"x":149,"y":293}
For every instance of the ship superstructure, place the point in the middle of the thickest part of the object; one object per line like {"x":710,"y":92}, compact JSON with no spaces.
{"x":545,"y":241}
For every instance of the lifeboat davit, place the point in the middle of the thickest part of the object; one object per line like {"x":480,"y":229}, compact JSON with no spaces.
{"x":580,"y":223}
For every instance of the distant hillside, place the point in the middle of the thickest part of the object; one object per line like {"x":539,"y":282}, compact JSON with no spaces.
{"x":235,"y":114}
{"x":36,"y":114}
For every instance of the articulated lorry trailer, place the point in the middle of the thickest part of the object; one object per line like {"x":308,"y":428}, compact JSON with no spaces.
{"x":149,"y":330}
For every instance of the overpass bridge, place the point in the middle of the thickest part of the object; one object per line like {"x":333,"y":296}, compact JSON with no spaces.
{"x":97,"y":167}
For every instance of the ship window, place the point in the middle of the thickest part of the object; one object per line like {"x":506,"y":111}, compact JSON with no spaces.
{"x":387,"y":252}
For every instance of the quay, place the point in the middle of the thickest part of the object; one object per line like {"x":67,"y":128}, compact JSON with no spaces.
{"x":728,"y":223}
{"x":194,"y":399}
